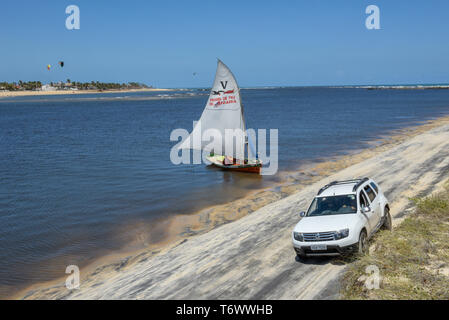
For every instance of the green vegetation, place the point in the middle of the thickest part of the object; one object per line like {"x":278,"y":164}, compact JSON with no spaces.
{"x":413,"y":259}
{"x":93,"y":85}
{"x":30,"y":85}
{"x":106,"y":85}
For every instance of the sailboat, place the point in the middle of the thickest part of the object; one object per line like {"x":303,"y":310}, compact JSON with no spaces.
{"x":224,"y":112}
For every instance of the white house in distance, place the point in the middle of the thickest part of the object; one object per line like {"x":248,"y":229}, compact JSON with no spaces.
{"x":47,"y":87}
{"x":59,"y":86}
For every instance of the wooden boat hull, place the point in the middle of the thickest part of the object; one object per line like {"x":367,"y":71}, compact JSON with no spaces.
{"x":249,"y":167}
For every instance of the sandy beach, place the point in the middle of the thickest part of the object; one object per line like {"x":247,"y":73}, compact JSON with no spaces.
{"x":4,"y":94}
{"x":243,"y":250}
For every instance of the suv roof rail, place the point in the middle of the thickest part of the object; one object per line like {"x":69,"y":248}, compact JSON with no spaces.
{"x":362,"y":181}
{"x":327,"y":186}
{"x":333,"y":183}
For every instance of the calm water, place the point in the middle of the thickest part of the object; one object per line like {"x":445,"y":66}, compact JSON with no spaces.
{"x":76,"y":171}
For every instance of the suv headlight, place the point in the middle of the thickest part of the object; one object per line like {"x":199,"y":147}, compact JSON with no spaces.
{"x":298,"y":236}
{"x":341,"y":234}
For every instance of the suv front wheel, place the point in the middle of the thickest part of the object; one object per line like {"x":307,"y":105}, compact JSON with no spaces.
{"x":363,"y":242}
{"x":301,"y":257}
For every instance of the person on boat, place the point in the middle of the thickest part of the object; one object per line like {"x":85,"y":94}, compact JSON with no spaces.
{"x":227,"y":161}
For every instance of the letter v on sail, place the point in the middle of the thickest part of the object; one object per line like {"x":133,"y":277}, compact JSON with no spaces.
{"x":221,"y":128}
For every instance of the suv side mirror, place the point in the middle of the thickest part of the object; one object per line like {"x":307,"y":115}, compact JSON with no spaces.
{"x":366,"y":209}
{"x":302,"y":214}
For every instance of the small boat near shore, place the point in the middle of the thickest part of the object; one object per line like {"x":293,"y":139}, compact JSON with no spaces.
{"x":252,"y":166}
{"x":224,"y":114}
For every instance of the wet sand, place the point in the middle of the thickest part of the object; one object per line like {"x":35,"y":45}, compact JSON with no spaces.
{"x":206,"y":255}
{"x":4,"y":94}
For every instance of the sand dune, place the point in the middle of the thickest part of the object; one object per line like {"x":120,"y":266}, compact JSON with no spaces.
{"x":252,"y":258}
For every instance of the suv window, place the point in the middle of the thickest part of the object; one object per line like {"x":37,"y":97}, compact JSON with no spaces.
{"x":363,"y":200}
{"x":370,"y":193}
{"x":325,"y":206}
{"x":374,"y":187}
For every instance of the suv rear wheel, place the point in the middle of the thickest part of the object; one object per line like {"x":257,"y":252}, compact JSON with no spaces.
{"x":387,"y":220}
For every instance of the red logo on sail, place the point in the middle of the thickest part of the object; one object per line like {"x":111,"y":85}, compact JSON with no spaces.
{"x":222,"y":91}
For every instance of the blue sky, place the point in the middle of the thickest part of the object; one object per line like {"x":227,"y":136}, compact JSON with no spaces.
{"x":265,"y":43}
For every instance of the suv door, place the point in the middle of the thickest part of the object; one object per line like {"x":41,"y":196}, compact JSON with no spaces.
{"x":375,"y":205}
{"x":370,"y":215}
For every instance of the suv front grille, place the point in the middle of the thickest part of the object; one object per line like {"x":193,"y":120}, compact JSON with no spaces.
{"x":319,"y":236}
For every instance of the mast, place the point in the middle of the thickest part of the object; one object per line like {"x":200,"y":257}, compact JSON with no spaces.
{"x":242,"y":115}
{"x":245,"y":137}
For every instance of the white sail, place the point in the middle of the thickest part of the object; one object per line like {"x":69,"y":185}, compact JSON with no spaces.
{"x":223,"y":111}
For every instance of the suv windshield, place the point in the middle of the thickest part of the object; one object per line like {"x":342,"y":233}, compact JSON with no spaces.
{"x":324,"y":206}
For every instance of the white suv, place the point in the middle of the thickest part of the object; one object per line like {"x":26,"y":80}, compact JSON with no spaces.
{"x":341,"y":219}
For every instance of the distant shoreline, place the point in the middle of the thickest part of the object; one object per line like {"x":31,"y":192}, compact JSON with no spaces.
{"x":396,"y":87}
{"x":5,"y":94}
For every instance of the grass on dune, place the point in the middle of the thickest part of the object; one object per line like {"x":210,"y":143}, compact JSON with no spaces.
{"x":413,"y":259}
